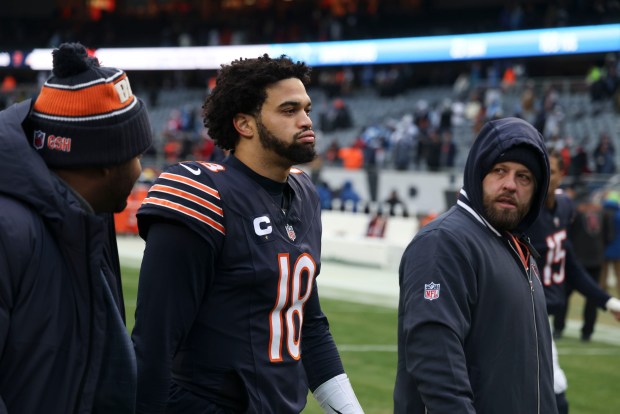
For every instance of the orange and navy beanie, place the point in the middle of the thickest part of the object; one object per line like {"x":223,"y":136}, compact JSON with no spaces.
{"x":86,"y":115}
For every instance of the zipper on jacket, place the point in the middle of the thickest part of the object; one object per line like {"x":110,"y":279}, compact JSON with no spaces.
{"x":90,"y":328}
{"x":528,"y":275}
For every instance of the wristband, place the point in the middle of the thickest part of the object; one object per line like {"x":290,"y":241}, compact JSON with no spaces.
{"x":613,"y":305}
{"x":336,"y":396}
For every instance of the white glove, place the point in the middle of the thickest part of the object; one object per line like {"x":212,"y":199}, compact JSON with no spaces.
{"x":613,"y":305}
{"x":336,"y":396}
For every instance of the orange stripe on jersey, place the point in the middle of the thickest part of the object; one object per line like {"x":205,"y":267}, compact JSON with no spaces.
{"x":188,"y":196}
{"x":181,"y":179}
{"x":89,"y":101}
{"x":187,"y":211}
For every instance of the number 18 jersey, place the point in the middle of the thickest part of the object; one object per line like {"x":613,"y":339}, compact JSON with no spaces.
{"x":245,"y":347}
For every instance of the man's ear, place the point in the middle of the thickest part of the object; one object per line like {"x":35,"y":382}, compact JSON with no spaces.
{"x":244,"y":124}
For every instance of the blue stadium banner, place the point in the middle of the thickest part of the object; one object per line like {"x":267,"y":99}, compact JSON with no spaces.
{"x":495,"y":45}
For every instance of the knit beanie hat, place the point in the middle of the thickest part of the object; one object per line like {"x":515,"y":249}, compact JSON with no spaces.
{"x":86,"y":115}
{"x":526,"y":155}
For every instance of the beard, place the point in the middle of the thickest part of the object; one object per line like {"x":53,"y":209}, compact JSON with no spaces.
{"x":503,"y":219}
{"x":295,"y":152}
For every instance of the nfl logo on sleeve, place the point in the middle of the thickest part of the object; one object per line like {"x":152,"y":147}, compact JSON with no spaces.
{"x":431,"y":291}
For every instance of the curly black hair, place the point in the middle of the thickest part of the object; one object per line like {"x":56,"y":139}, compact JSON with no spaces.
{"x":241,"y":88}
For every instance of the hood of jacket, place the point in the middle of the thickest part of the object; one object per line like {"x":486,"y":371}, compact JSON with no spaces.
{"x":25,"y":176}
{"x":495,"y":138}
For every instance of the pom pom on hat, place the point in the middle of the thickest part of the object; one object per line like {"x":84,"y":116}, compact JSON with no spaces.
{"x":86,"y":114}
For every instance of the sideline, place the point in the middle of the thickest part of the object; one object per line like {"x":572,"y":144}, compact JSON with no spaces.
{"x":367,"y":285}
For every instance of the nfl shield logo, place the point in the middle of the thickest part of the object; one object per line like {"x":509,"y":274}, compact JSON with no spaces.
{"x":290,"y":231}
{"x":38,"y":140}
{"x":431,"y":291}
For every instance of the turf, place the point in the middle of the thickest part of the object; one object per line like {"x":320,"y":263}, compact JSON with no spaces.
{"x":366,"y":337}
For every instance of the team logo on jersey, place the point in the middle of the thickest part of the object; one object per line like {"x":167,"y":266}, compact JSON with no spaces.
{"x":431,"y":291}
{"x":290,"y":231}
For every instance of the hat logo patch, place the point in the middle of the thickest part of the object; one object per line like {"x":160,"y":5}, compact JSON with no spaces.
{"x":123,"y":89}
{"x":55,"y":143}
{"x":431,"y":291}
{"x":38,"y":140}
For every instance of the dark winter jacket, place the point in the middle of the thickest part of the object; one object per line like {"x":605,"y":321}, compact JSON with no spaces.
{"x":473,"y":333}
{"x":60,"y":295}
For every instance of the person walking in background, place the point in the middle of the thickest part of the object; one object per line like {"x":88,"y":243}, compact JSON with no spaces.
{"x":228,"y":316}
{"x":70,"y":159}
{"x":559,"y":264}
{"x":589,"y":232}
{"x":473,"y":334}
{"x":612,"y":250}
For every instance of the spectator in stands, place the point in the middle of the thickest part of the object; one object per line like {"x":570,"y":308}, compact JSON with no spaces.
{"x":402,"y":142}
{"x":527,"y":104}
{"x":332,"y":154}
{"x":349,"y":197}
{"x":595,"y":83}
{"x":352,"y":157}
{"x":604,"y":155}
{"x":448,"y":152}
{"x":433,"y":151}
{"x":325,"y":194}
{"x":396,"y":206}
{"x":337,"y":117}
{"x":445,"y":116}
{"x":579,"y":163}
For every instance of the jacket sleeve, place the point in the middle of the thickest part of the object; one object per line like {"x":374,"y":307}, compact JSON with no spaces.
{"x":174,"y":276}
{"x":17,"y":246}
{"x":434,"y":331}
{"x":319,"y":353}
{"x":579,"y":279}
{"x":5,"y":304}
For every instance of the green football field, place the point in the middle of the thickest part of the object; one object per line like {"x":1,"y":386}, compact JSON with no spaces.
{"x":366,"y":338}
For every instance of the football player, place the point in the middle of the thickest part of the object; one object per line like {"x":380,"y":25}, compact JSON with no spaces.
{"x":558,"y":263}
{"x":228,"y":316}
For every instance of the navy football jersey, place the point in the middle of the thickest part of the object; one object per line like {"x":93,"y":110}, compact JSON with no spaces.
{"x":244,"y":348}
{"x":549,"y":237}
{"x":558,"y":263}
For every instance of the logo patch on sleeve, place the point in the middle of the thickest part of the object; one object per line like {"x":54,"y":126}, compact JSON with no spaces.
{"x":431,"y":291}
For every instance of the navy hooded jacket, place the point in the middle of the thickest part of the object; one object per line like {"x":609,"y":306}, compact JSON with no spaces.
{"x":473,"y":333}
{"x":59,"y":288}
